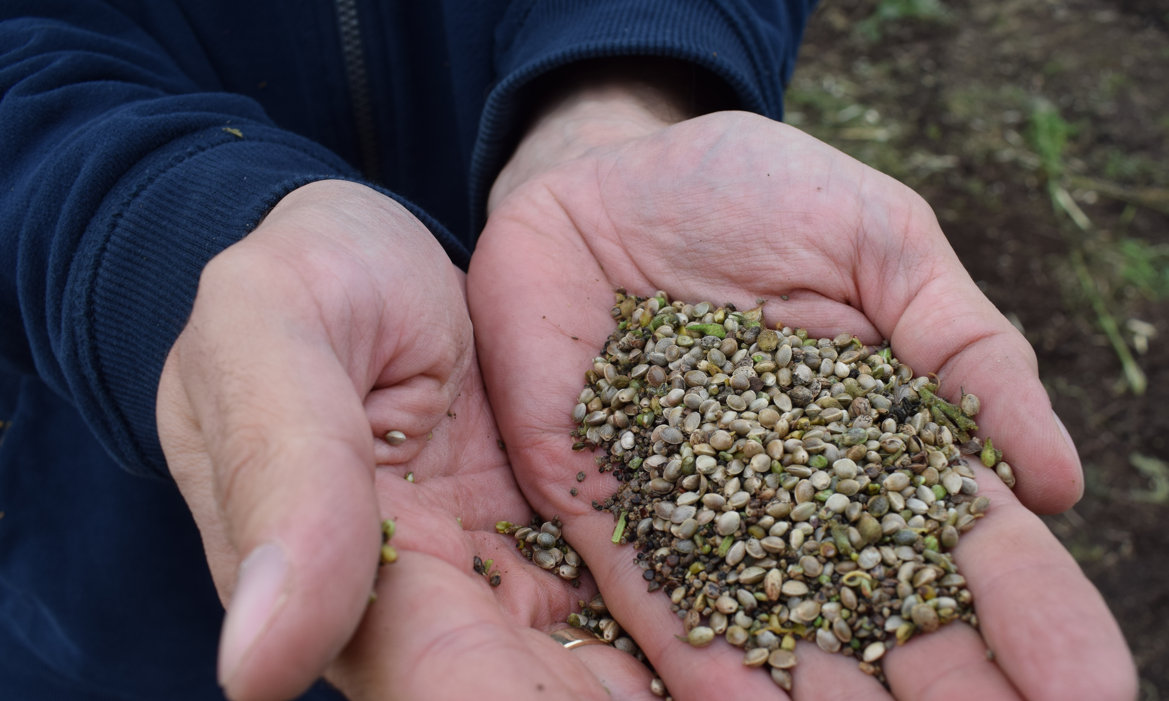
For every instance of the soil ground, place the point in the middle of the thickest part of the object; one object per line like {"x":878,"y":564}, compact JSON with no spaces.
{"x":1039,"y":132}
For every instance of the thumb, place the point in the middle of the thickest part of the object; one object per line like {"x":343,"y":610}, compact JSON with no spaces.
{"x":274,"y":454}
{"x":299,"y":505}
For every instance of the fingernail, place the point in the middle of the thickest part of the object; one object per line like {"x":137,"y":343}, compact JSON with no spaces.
{"x":259,"y":591}
{"x":1064,"y":430}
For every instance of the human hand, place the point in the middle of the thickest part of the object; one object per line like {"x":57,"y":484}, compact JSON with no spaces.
{"x":438,"y":630}
{"x":339,"y":319}
{"x":734,"y":208}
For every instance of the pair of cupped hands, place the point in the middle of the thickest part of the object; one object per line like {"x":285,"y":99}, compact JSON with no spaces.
{"x":340,"y":318}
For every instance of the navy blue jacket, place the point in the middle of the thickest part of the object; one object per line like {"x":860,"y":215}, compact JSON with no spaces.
{"x":138,"y":138}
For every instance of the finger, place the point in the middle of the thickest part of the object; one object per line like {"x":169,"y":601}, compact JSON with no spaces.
{"x":434,"y":633}
{"x":973,"y":348}
{"x":620,"y":673}
{"x":289,"y":447}
{"x":410,"y":410}
{"x":825,"y":676}
{"x":951,"y":663}
{"x":1049,"y":629}
{"x":415,"y":397}
{"x":460,"y":441}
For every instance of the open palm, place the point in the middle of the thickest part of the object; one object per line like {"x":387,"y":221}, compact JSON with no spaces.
{"x":338,"y":320}
{"x":438,"y":629}
{"x":736,"y":208}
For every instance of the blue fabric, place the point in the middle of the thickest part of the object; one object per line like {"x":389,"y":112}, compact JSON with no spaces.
{"x":94,"y":602}
{"x":138,"y":138}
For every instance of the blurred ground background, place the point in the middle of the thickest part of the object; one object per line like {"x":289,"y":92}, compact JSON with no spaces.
{"x":1039,"y":132}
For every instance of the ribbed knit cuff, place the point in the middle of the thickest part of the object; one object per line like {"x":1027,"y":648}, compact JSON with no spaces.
{"x":753,"y":54}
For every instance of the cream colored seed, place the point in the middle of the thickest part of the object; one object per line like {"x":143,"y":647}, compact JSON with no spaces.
{"x":782,"y":659}
{"x":756,"y":657}
{"x":700,"y":636}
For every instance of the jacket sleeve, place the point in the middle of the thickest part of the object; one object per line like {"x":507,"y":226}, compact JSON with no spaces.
{"x":751,"y":45}
{"x":125,"y":171}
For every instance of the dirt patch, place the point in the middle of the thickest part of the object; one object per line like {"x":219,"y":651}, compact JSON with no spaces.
{"x":1039,"y":132}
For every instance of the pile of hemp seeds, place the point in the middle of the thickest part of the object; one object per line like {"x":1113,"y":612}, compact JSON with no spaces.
{"x":779,"y":487}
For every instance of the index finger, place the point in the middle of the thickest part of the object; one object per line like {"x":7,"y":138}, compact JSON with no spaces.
{"x":1049,"y":628}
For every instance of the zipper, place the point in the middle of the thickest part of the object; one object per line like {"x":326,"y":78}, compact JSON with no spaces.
{"x":357,"y":80}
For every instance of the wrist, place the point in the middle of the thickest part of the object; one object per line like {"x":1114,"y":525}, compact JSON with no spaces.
{"x":601,"y":103}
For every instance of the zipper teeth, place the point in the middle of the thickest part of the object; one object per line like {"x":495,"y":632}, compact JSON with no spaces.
{"x":349,"y":26}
